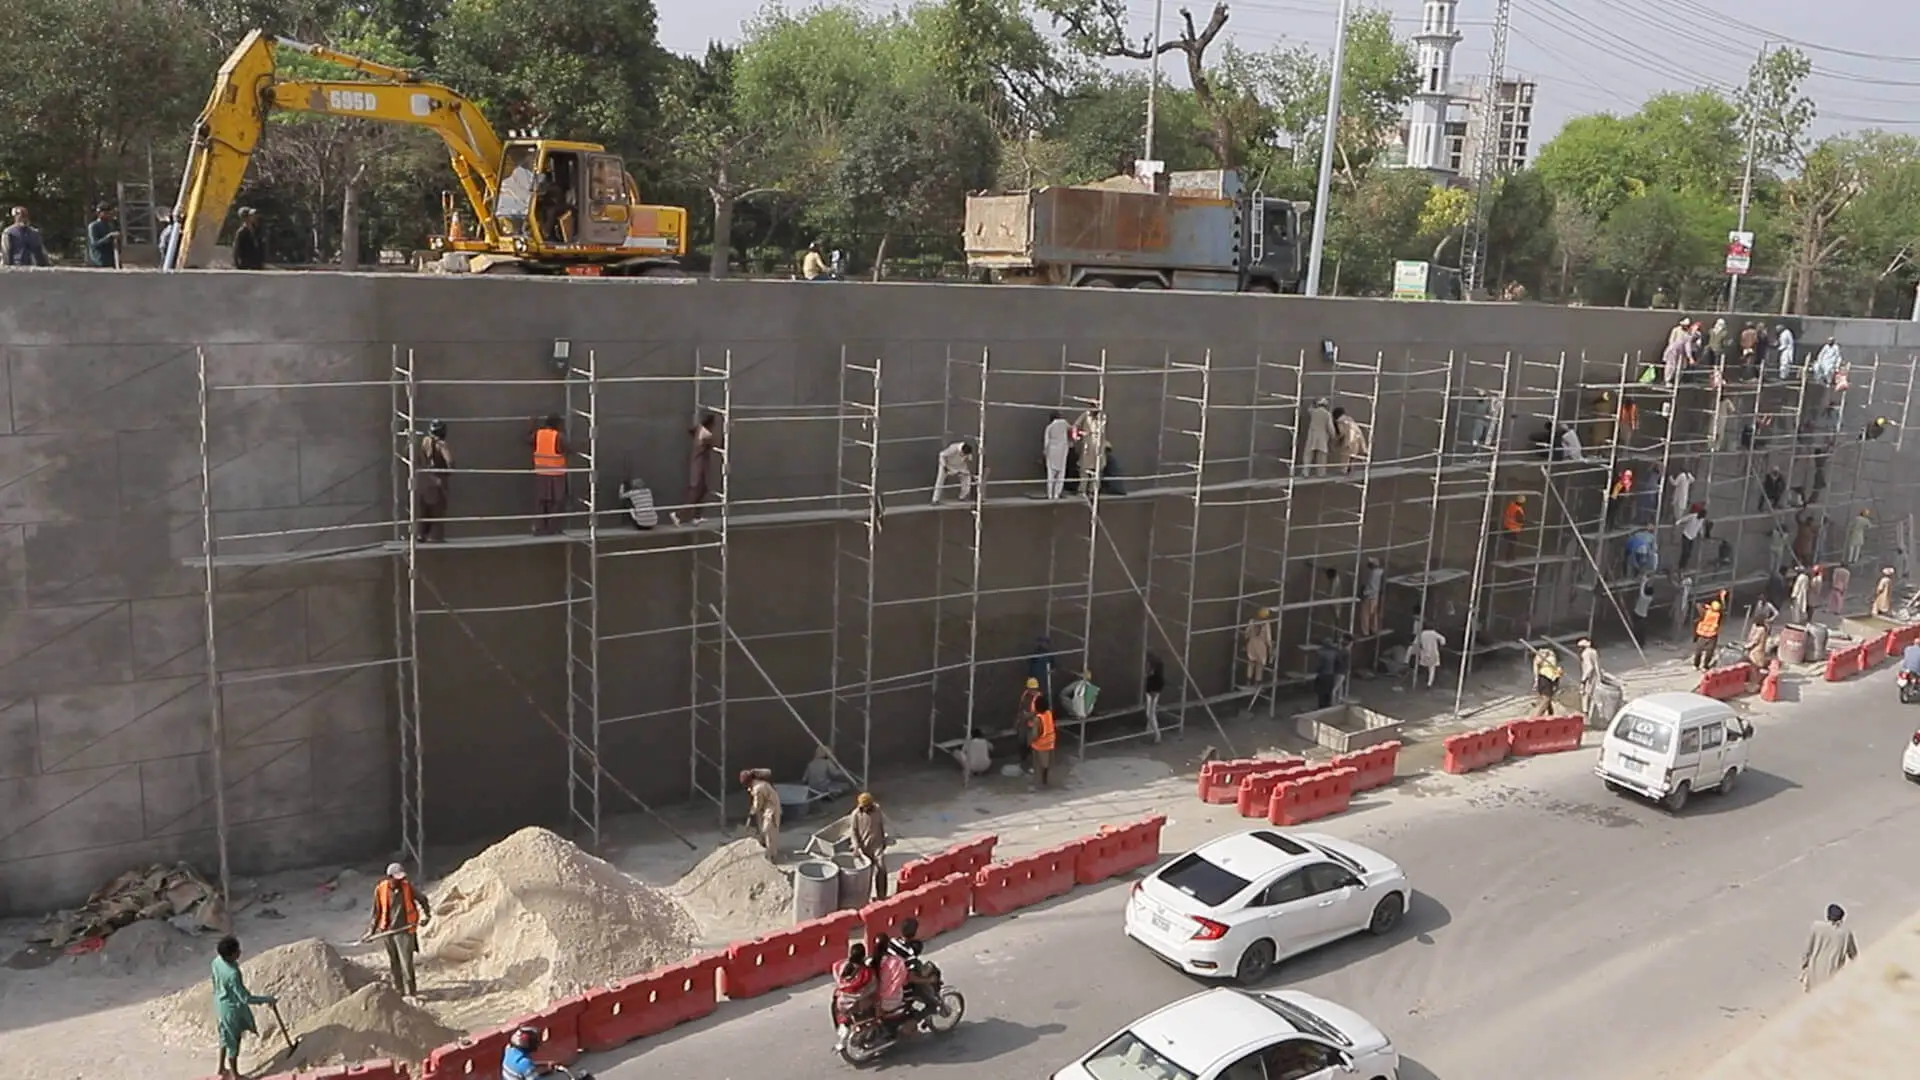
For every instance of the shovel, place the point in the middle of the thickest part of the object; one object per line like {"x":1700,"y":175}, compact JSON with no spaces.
{"x":278,"y":1019}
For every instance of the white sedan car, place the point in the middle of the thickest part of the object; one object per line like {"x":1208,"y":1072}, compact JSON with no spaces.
{"x":1235,"y":906}
{"x":1910,"y":759}
{"x":1231,"y":1035}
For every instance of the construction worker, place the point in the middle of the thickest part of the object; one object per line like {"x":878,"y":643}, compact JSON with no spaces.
{"x":1605,"y":415}
{"x":1883,"y":593}
{"x":1837,"y":591}
{"x":763,"y":809}
{"x":956,"y":462}
{"x":1372,"y":580}
{"x":1041,"y":738}
{"x":1706,"y":635}
{"x":1589,"y":676}
{"x":867,"y":828}
{"x":1259,"y":647}
{"x":1321,"y":434}
{"x":1151,"y":687}
{"x":1642,"y":608}
{"x":1032,"y":700}
{"x":549,"y":474}
{"x":1089,"y":438}
{"x":1349,"y":440}
{"x":1546,"y":681}
{"x":399,"y":911}
{"x":706,"y":439}
{"x":1512,"y":521}
{"x":1857,"y":535}
{"x":103,"y":239}
{"x":431,"y":480}
{"x":1056,"y":442}
{"x":1756,"y":645}
{"x":232,"y":1005}
{"x":1875,"y":429}
{"x":1425,"y":653}
{"x":249,"y":247}
{"x":1617,"y":497}
{"x":21,"y":244}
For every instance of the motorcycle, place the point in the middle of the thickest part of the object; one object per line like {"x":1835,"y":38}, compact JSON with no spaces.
{"x":932,"y":1008}
{"x":1909,"y":687}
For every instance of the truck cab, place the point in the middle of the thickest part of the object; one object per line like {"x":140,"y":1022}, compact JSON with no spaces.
{"x":1276,"y":245}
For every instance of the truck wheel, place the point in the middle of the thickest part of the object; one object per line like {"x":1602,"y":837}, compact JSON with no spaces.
{"x":1099,"y":283}
{"x":1271,"y":288}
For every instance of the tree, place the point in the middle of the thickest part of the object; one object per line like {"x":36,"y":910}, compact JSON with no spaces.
{"x":1443,"y":216}
{"x":1097,"y":127}
{"x":1685,"y":142}
{"x":989,"y":53}
{"x":573,"y":69}
{"x":1520,"y":230}
{"x":1099,"y":28}
{"x":1378,"y":80}
{"x":1831,"y":176}
{"x":1375,"y":223}
{"x":1773,"y":111}
{"x":1662,"y":237}
{"x":914,"y":154}
{"x":710,"y":144}
{"x":1883,"y":222}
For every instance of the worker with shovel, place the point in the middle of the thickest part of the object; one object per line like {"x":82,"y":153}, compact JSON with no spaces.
{"x":233,"y":1005}
{"x":398,"y":914}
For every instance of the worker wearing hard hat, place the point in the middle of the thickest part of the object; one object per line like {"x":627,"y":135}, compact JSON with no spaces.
{"x":867,"y":828}
{"x":399,"y":911}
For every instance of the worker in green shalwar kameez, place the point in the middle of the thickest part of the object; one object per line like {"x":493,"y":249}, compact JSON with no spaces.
{"x":232,"y":1005}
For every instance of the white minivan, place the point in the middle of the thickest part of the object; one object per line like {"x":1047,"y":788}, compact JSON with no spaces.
{"x":1669,"y":746}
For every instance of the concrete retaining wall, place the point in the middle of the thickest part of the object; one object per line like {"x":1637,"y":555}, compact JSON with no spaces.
{"x":104,"y":741}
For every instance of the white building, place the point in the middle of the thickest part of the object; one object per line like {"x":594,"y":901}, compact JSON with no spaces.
{"x":1446,"y":119}
{"x":1432,"y":105}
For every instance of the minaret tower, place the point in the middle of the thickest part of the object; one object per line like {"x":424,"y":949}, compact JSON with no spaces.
{"x":1427,"y":116}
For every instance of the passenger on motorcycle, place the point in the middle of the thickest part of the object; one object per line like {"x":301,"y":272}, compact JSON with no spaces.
{"x":517,"y":1063}
{"x":893,"y":975}
{"x":1910,"y":660}
{"x":854,"y":987}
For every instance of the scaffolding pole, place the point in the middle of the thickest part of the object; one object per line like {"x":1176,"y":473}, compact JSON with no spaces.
{"x":855,"y":558}
{"x":583,"y":618}
{"x":959,"y":541}
{"x":711,"y":591}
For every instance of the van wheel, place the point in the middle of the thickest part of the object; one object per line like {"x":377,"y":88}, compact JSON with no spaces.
{"x":1676,"y":799}
{"x":1728,"y":781}
{"x":1255,"y":964}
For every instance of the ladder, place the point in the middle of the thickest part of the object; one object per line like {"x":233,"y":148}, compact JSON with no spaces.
{"x":138,"y":226}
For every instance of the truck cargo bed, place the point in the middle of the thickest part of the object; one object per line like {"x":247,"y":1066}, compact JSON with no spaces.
{"x":1057,"y":226}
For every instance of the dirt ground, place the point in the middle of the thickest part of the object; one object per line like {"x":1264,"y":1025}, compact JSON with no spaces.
{"x":89,"y":1017}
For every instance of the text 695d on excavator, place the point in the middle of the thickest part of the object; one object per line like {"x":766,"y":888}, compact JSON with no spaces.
{"x":542,"y":206}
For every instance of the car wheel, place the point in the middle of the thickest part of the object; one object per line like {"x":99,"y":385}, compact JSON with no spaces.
{"x":1915,"y":778}
{"x":1386,"y":914}
{"x":1613,"y":787}
{"x":1728,"y":781}
{"x":1255,"y":964}
{"x":1676,"y":799}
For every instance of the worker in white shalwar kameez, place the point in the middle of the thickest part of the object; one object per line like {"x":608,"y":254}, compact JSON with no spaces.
{"x":1426,"y":652}
{"x":1090,"y":434}
{"x":1829,"y":948}
{"x":1259,"y":646}
{"x":956,"y":462}
{"x":1054,"y":444}
{"x":1320,"y":435}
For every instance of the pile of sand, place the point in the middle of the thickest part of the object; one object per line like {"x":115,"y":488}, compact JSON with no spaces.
{"x":143,"y":948}
{"x":308,"y":976}
{"x":737,"y":887}
{"x":371,"y":1023}
{"x":536,"y":915}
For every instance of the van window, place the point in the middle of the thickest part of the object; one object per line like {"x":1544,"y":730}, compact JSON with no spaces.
{"x":1712,"y":735}
{"x":1690,"y":741}
{"x":1644,"y":732}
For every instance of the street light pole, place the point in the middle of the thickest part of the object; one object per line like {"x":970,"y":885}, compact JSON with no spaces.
{"x":1746,"y":188}
{"x":1318,"y":250}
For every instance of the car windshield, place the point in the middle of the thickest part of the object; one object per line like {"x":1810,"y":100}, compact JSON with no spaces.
{"x":1352,"y":867}
{"x":1202,"y":880}
{"x":1127,"y":1058}
{"x":1304,"y":1020}
{"x":1644,"y":732}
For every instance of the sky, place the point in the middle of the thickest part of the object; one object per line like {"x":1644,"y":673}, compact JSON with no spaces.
{"x":1586,"y":55}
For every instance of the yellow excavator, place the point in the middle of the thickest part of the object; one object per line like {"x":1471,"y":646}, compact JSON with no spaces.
{"x":537,"y":206}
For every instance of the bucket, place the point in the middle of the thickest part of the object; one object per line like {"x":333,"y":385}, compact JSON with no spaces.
{"x":1607,"y":699}
{"x":816,"y":890}
{"x":1817,"y":643}
{"x":856,"y":880}
{"x":1793,"y":645}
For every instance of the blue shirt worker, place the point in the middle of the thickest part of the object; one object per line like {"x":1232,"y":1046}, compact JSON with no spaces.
{"x":517,"y":1063}
{"x":1642,"y":554}
{"x":1910,"y":660}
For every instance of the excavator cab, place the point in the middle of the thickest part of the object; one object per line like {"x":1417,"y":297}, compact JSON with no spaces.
{"x":557,"y":195}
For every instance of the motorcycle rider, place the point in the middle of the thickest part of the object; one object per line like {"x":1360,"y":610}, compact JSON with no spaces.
{"x":517,"y":1063}
{"x":1910,"y":664}
{"x":854,"y":987}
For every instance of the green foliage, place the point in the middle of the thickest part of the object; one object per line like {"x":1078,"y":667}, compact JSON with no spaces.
{"x":1375,"y":86}
{"x":1521,"y":231}
{"x":914,"y":154}
{"x":1773,"y":109}
{"x":572,"y":69}
{"x":1662,"y":237}
{"x":1684,"y":142}
{"x":1373,"y":225}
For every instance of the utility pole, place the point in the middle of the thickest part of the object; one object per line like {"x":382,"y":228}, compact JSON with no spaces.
{"x":1494,"y":137}
{"x":1317,"y":253}
{"x":1746,"y":181}
{"x":1153,"y":84}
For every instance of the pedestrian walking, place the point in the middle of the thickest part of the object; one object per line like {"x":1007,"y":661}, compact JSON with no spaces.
{"x":1830,"y":947}
{"x":705,"y":437}
{"x":1800,"y":599}
{"x":432,"y":481}
{"x":763,"y":809}
{"x":549,"y":474}
{"x":1055,"y":443}
{"x":956,"y":463}
{"x":399,"y":911}
{"x":1883,"y":593}
{"x":232,"y":1005}
{"x":1259,"y":647}
{"x":1427,"y":644}
{"x":1546,"y":681}
{"x":867,"y":827}
{"x":1589,"y":676}
{"x":1151,"y":687}
{"x":1706,"y":635}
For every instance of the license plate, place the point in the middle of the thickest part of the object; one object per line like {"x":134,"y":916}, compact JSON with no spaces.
{"x":1160,"y":923}
{"x":1634,"y":766}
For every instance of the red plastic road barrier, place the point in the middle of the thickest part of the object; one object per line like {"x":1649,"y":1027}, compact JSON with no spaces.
{"x":1475,"y":750}
{"x":1726,"y":682}
{"x":789,"y":957}
{"x":1001,"y":887}
{"x":958,"y":859}
{"x":1770,"y":685}
{"x":1374,"y":766}
{"x":1256,"y":788}
{"x":1119,"y":849}
{"x":940,"y":906}
{"x":652,"y":1003}
{"x":476,"y":1057}
{"x":1842,"y":664}
{"x":559,"y":1025}
{"x":1546,"y":734}
{"x":382,"y":1069}
{"x":1220,"y":780}
{"x":1296,"y":802}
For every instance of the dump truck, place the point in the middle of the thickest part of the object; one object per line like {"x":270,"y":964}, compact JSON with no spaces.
{"x":532,"y":205}
{"x":1203,"y":231}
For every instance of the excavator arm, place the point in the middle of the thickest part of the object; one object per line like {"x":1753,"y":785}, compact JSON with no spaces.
{"x":247,"y":90}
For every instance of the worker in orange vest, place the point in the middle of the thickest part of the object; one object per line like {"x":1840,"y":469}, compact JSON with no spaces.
{"x":549,"y":474}
{"x":1041,"y":737}
{"x":399,"y":912}
{"x":1706,"y":635}
{"x":1512,"y":521}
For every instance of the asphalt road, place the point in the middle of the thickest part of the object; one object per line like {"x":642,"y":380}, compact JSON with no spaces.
{"x":1559,"y":930}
